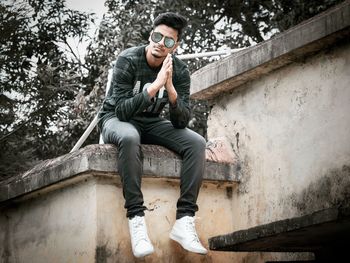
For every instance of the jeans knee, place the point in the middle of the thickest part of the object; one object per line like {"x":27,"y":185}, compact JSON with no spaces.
{"x":129,"y":141}
{"x":198,"y":144}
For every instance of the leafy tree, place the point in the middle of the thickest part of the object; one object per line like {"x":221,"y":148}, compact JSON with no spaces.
{"x":40,"y":76}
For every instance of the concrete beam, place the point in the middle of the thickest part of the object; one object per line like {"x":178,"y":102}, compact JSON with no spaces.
{"x":324,"y":232}
{"x":292,"y":45}
{"x":221,"y":167}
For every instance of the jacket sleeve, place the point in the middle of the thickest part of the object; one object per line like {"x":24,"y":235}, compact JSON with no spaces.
{"x":180,"y":113}
{"x":126,"y":104}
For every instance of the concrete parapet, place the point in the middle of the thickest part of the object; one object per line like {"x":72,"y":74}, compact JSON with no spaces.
{"x":221,"y":167}
{"x":290,"y":46}
{"x":71,"y":208}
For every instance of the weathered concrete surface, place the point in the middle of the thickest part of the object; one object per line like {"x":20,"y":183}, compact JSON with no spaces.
{"x":291,"y":131}
{"x":221,"y":166}
{"x":86,"y":222}
{"x":58,"y":227}
{"x":291,"y":46}
{"x":71,"y":209}
{"x":325,"y":232}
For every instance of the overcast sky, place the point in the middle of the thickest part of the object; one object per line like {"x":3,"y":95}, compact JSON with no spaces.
{"x":92,"y":6}
{"x":95,"y":6}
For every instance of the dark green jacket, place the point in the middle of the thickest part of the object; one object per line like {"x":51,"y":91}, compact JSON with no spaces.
{"x":127,"y":96}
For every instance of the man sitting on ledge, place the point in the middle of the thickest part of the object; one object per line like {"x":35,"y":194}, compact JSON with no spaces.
{"x":145,"y":78}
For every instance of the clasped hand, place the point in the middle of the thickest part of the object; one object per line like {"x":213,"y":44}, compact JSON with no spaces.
{"x":165,"y":75}
{"x":165,"y":78}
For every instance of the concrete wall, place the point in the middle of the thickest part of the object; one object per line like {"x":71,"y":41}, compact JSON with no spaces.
{"x":291,"y":131}
{"x":71,"y":208}
{"x":85,"y":222}
{"x":55,"y":227}
{"x":284,"y":107}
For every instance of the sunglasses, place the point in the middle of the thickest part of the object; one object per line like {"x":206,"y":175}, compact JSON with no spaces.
{"x":168,"y":41}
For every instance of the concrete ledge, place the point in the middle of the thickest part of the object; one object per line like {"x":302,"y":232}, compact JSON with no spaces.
{"x":308,"y":37}
{"x":221,"y":167}
{"x":83,"y":219}
{"x":322,"y":232}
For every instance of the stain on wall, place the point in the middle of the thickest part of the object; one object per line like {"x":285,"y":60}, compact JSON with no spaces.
{"x":330,"y":190}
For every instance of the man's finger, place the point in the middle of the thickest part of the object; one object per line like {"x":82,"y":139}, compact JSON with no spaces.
{"x":166,"y":61}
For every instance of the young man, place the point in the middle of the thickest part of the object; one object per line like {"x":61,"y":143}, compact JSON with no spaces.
{"x":144,"y":79}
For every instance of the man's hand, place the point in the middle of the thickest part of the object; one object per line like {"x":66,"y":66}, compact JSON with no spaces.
{"x":172,"y":94}
{"x":166,"y":70}
{"x":162,"y":77}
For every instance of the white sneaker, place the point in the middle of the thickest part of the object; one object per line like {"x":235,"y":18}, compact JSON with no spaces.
{"x":140,"y":242}
{"x":184,"y":232}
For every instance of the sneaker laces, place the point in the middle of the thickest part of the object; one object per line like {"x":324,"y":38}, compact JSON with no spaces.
{"x":139,"y":230}
{"x":191,"y":229}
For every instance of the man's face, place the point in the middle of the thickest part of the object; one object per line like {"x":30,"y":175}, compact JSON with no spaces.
{"x":167,"y":34}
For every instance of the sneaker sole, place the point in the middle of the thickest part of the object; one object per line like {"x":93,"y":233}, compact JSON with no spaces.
{"x":175,"y":238}
{"x":144,"y":254}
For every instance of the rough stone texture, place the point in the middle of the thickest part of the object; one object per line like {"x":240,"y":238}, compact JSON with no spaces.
{"x":221,"y":166}
{"x":292,"y":45}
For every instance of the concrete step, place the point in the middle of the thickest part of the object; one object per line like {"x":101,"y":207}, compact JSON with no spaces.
{"x":325,"y":232}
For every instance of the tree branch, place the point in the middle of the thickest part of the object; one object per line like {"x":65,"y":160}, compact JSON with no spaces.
{"x":33,"y":114}
{"x":76,"y":57}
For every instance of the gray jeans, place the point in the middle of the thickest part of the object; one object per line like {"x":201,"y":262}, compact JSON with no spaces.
{"x":128,"y":136}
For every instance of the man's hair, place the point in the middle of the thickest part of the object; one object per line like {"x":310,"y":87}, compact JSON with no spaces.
{"x":172,"y":20}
